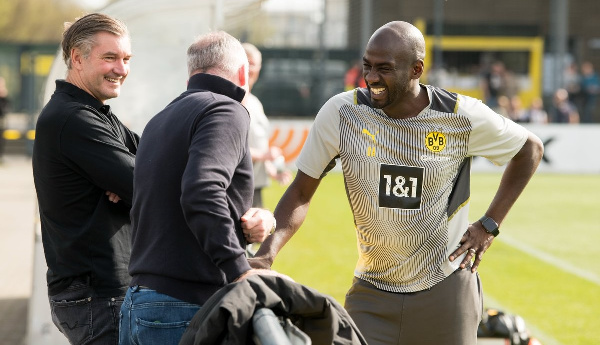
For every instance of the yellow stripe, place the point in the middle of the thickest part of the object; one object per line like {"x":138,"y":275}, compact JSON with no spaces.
{"x":458,"y":209}
{"x":12,"y":134}
{"x":456,"y":105}
{"x":30,"y":134}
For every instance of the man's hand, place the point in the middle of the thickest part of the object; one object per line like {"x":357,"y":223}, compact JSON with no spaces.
{"x":112,"y":197}
{"x":257,"y":224}
{"x":263,"y":272}
{"x":475,"y":242}
{"x":273,"y":153}
{"x":284,"y":177}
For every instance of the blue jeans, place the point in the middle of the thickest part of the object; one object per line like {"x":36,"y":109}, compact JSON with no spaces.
{"x":85,"y":318}
{"x":149,"y":317}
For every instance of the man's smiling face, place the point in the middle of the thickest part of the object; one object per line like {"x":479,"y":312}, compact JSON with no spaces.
{"x":104,"y":70}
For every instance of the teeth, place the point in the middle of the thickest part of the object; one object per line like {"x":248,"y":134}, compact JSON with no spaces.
{"x":378,"y":90}
{"x":112,"y":80}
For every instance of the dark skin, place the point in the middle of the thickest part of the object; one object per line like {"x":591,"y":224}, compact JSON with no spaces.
{"x":392,"y":66}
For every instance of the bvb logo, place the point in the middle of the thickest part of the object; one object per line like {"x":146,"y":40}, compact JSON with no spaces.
{"x":435,"y":141}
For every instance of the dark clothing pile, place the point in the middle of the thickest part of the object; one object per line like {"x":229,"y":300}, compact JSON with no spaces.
{"x":193,"y":183}
{"x":81,"y":151}
{"x":226,"y":318}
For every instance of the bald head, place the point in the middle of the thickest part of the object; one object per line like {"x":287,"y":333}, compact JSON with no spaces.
{"x":401,"y":38}
{"x":254,"y":61}
{"x":392,"y":66}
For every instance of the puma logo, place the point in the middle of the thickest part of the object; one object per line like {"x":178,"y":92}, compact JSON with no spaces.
{"x":365,"y":131}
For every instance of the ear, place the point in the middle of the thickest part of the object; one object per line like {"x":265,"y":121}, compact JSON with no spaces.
{"x":76,"y":57}
{"x":418,"y":68}
{"x":242,"y":75}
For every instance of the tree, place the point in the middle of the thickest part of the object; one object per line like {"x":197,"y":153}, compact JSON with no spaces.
{"x":36,"y":21}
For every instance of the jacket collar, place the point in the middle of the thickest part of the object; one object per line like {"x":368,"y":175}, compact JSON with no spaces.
{"x":79,"y":94}
{"x":216,"y":84}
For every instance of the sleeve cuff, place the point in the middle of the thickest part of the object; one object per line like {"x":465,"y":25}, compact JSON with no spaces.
{"x":235,"y":268}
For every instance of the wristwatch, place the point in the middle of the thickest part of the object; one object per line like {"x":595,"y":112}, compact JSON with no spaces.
{"x":490,"y":225}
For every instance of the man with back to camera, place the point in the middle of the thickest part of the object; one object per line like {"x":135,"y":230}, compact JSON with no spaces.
{"x":83,"y":159}
{"x":193,"y":182}
{"x":406,"y":150}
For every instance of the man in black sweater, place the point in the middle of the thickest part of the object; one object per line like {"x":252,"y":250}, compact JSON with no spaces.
{"x":83,"y":161}
{"x":193,"y":183}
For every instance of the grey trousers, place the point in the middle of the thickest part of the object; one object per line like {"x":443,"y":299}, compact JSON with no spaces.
{"x":448,"y":313}
{"x":85,"y":318}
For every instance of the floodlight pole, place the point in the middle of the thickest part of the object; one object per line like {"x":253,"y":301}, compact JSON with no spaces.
{"x":366,"y":25}
{"x":320,"y":73}
{"x":438,"y":25}
{"x":559,"y":13}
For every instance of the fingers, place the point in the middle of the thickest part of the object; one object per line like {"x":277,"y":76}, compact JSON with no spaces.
{"x":256,"y":217}
{"x":284,"y":178}
{"x":471,"y":254}
{"x":256,"y":235}
{"x":275,"y":152}
{"x":473,"y":248}
{"x":249,"y":214}
{"x":257,"y":224}
{"x":472,"y":257}
{"x":266,"y":272}
{"x":112,"y":197}
{"x":477,"y":261}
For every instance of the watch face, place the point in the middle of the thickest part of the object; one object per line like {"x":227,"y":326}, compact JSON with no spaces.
{"x":490,"y":226}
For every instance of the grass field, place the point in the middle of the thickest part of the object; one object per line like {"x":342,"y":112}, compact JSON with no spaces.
{"x":544,"y":266}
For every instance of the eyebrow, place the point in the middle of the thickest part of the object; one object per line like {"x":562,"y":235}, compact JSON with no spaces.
{"x":112,"y":53}
{"x":385,"y":63}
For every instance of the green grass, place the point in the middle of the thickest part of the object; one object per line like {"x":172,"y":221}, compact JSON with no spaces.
{"x":556,"y":215}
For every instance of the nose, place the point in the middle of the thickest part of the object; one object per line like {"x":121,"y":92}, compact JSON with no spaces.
{"x":370,"y":75}
{"x":121,"y":67}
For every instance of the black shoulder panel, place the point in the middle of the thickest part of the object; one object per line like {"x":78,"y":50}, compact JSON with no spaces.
{"x":443,"y":100}
{"x":361,"y":96}
{"x":461,"y":189}
{"x":329,"y":166}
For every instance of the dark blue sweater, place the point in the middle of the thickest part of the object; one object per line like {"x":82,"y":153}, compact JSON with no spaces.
{"x":192,"y":184}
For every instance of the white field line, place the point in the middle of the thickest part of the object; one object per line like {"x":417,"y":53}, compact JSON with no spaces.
{"x":534,"y":332}
{"x":552,"y":260}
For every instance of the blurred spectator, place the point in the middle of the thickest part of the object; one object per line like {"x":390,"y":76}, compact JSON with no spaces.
{"x":515,"y":109}
{"x":563,"y":110}
{"x":354,"y":77}
{"x":572,"y":82}
{"x":590,"y":88}
{"x":3,"y":112}
{"x":536,"y":113}
{"x":502,"y":106}
{"x":267,"y":161}
{"x":498,"y":81}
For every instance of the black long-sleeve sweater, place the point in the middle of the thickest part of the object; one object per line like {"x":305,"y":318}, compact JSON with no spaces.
{"x":82,"y":150}
{"x":192,"y":184}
